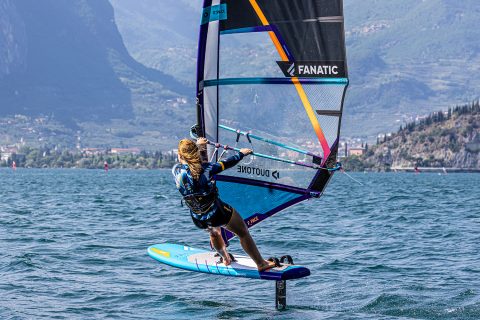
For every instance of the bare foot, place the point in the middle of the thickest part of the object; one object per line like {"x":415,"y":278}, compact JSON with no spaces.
{"x":266,"y":265}
{"x":226,"y":258}
{"x":227,"y":261}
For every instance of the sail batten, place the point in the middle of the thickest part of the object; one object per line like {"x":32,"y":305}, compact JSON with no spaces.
{"x":256,"y":137}
{"x":303,"y":81}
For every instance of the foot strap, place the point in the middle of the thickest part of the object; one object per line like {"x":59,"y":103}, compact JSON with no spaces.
{"x":218,"y":255}
{"x":275,"y":260}
{"x":287,"y":258}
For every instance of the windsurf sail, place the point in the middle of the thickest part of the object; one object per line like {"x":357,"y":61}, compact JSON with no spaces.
{"x":272,"y":76}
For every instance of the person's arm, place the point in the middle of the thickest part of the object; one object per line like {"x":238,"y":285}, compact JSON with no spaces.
{"x":202,"y":147}
{"x":230,"y":161}
{"x":176,"y":170}
{"x":179,"y":177}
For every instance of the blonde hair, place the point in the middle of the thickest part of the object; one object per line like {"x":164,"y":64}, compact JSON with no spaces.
{"x":188,"y":151}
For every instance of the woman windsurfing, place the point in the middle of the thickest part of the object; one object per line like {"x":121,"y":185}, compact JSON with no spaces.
{"x":194,"y":178}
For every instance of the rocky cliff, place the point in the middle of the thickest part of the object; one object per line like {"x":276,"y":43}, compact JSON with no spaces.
{"x":443,"y":139}
{"x":13,"y":42}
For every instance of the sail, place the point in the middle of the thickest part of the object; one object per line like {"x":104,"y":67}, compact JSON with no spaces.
{"x":272,"y":76}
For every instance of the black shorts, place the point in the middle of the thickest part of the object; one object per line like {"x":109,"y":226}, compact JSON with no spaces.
{"x":220,"y":218}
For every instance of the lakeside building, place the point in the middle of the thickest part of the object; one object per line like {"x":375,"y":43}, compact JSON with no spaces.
{"x":5,"y":156}
{"x":10,"y":149}
{"x":92,"y":151}
{"x":122,"y":151}
{"x":348,"y":147}
{"x":356,"y":151}
{"x":7,"y":152}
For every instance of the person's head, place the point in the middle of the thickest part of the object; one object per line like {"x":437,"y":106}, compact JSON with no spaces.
{"x":188,"y":154}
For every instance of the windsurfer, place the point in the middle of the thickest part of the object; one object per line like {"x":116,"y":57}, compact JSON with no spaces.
{"x":194,"y":178}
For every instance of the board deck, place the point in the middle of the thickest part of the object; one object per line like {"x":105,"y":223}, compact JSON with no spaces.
{"x":204,"y":261}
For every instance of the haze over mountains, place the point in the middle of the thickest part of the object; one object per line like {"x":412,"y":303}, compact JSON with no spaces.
{"x":406,"y":57}
{"x":67,"y":60}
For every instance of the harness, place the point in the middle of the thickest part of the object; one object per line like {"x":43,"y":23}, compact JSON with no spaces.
{"x":202,"y":202}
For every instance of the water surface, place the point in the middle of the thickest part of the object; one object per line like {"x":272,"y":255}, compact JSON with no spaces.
{"x":402,"y":246}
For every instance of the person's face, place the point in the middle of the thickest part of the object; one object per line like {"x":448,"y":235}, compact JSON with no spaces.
{"x":181,"y":160}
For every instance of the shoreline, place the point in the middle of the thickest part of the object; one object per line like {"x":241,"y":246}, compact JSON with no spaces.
{"x":392,"y":170}
{"x":435,"y":170}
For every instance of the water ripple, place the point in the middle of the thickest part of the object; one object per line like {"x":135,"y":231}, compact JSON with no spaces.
{"x":74,"y":242}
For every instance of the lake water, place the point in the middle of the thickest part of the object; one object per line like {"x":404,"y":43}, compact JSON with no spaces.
{"x":402,"y":246}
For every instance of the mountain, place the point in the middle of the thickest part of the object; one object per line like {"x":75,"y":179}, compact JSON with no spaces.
{"x":443,"y":139}
{"x":163,"y":36}
{"x":70,"y":75}
{"x":12,"y":39}
{"x":406,"y":57}
{"x":66,"y":59}
{"x":410,"y":57}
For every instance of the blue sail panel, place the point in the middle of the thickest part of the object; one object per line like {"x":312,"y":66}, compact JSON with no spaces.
{"x":254,"y":201}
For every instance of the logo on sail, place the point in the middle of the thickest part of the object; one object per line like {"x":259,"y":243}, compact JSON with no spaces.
{"x":276,"y":174}
{"x":291,"y":70}
{"x":214,"y":13}
{"x":313,"y":69}
{"x":259,"y":172}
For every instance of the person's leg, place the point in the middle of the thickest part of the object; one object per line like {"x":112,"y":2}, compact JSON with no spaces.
{"x":237,"y":226}
{"x":219,"y":245}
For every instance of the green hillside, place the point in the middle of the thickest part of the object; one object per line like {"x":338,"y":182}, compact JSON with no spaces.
{"x":443,"y":139}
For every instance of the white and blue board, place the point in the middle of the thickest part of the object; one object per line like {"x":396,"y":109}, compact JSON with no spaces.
{"x":204,"y":261}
